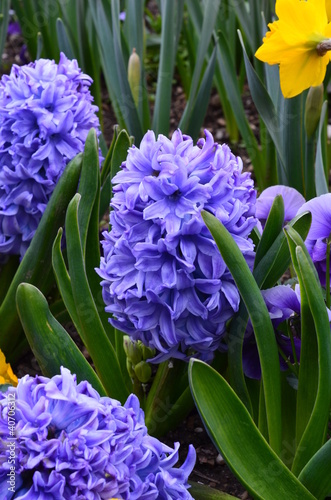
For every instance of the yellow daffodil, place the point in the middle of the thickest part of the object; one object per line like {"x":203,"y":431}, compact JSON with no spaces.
{"x":6,"y":373}
{"x":299,"y":41}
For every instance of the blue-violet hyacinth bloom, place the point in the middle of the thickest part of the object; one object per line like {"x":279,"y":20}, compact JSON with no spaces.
{"x":293,"y":200}
{"x":46,"y":112}
{"x":72,"y":444}
{"x":282,"y":303}
{"x":163,"y":278}
{"x":319,"y":232}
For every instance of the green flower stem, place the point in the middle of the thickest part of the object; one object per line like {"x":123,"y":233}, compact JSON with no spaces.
{"x":169,"y":400}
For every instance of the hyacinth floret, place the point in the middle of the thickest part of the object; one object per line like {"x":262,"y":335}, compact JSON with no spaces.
{"x":164,"y":281}
{"x":72,"y":444}
{"x":46,"y":112}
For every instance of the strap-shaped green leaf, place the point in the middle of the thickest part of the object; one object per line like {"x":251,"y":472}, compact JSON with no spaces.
{"x":89,"y":184}
{"x":201,"y":492}
{"x":91,"y":329}
{"x":263,"y":329}
{"x":316,"y":474}
{"x":314,"y":434}
{"x":234,"y":433}
{"x":36,"y":263}
{"x":320,"y":181}
{"x":49,"y":341}
{"x":271,"y":267}
{"x":272,"y":228}
{"x":264,"y":105}
{"x":229,"y":76}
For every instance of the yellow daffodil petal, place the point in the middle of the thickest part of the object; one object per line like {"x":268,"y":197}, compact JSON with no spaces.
{"x":299,"y":73}
{"x":328,"y":9}
{"x":6,"y":373}
{"x":302,"y":23}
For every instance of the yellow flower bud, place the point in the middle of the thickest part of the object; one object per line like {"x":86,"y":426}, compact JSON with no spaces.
{"x":134,"y":75}
{"x":313,"y":108}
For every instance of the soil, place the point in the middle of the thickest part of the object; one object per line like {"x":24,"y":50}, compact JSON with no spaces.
{"x":210,"y":467}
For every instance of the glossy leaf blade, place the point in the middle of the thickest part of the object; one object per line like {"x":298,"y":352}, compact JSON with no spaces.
{"x":49,"y":341}
{"x":315,"y":476}
{"x":263,"y":329}
{"x":91,"y":328}
{"x":272,"y":228}
{"x":314,"y":435}
{"x":241,"y":444}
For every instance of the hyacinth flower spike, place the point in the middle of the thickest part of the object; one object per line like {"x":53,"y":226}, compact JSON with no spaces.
{"x":46,"y":112}
{"x":101,"y":450}
{"x":300,"y":42}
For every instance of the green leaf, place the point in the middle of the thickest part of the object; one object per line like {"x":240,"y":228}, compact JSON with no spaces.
{"x":315,"y":476}
{"x":201,"y":492}
{"x":314,"y":434}
{"x":264,"y":105}
{"x":64,"y":42}
{"x":172,"y":13}
{"x":91,"y":328}
{"x":209,"y":19}
{"x":237,"y":438}
{"x":89,"y":185}
{"x":272,"y":228}
{"x":263,"y":329}
{"x":269,"y":270}
{"x":36,"y":263}
{"x":49,"y":341}
{"x":290,"y":113}
{"x":320,"y":181}
{"x":228,"y":73}
{"x":201,"y":103}
{"x":275,"y":262}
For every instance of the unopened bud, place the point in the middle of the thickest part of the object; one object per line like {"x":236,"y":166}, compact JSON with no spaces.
{"x":134,"y":75}
{"x":314,"y":103}
{"x":143,"y":372}
{"x":147,"y":352}
{"x":129,"y":367}
{"x":132,"y":350}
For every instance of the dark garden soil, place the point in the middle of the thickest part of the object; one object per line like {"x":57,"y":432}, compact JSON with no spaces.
{"x":210,"y":467}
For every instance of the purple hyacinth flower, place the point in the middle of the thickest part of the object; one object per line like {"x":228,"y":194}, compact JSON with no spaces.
{"x":46,"y":112}
{"x":163,"y":279}
{"x":319,"y":232}
{"x":283,"y":303}
{"x":293,"y":200}
{"x":98,"y":450}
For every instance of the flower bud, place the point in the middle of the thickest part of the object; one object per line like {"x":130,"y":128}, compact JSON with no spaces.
{"x":147,"y":352}
{"x":314,"y":103}
{"x":129,"y":367}
{"x":132,"y":350}
{"x":134,"y":75}
{"x":143,"y":372}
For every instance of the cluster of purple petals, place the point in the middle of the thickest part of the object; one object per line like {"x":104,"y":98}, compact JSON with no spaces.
{"x":164,"y":281}
{"x":283,"y":303}
{"x":46,"y":112}
{"x":73,"y":444}
{"x":320,"y":231}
